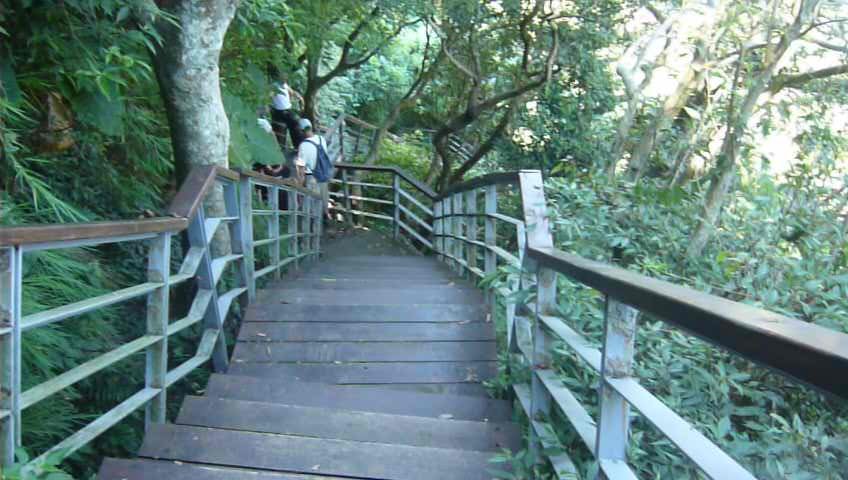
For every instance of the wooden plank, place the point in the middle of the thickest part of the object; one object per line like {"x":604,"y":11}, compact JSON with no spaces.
{"x":318,"y":283}
{"x":324,"y":352}
{"x":146,"y":469}
{"x":373,"y":372}
{"x":190,"y":195}
{"x":374,"y":332}
{"x":312,"y":455}
{"x":810,"y":353}
{"x":348,"y":425}
{"x":422,"y":295}
{"x":366,"y":313}
{"x":381,"y":399}
{"x":267,"y":181}
{"x":98,"y":232}
{"x":472,"y":389}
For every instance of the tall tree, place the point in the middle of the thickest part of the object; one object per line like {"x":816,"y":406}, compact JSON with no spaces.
{"x":758,"y":87}
{"x":473,"y":36}
{"x":340,"y":36}
{"x":189,"y":79}
{"x":187,"y":70}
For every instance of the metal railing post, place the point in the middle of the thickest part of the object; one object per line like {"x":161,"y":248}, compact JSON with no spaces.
{"x":213,"y":318}
{"x":11,"y":260}
{"x":156,"y":364}
{"x":538,"y":236}
{"x":459,"y":244}
{"x":438,"y":230}
{"x":396,"y":204}
{"x":447,"y":212}
{"x":341,"y":137}
{"x":294,"y":246}
{"x":319,"y":226}
{"x":274,"y":228}
{"x":491,"y":239}
{"x":471,"y":229}
{"x":307,"y":225}
{"x":346,"y":193}
{"x":616,"y":362}
{"x":245,"y":213}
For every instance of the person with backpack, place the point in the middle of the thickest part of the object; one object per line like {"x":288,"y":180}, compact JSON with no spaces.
{"x":314,"y":163}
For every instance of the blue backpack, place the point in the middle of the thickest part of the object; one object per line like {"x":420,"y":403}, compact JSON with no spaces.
{"x":323,"y":171}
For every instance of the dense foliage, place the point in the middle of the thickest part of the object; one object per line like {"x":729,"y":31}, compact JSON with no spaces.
{"x":706,"y":141}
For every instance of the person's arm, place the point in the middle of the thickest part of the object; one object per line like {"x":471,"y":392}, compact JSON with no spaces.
{"x":300,"y":166}
{"x":294,"y":93}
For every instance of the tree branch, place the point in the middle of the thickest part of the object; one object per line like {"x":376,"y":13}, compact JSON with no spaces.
{"x":799,"y":79}
{"x":462,"y":68}
{"x":486,"y":146}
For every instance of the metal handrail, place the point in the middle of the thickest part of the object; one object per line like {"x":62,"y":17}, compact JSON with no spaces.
{"x":199,"y":264}
{"x":808,"y":353}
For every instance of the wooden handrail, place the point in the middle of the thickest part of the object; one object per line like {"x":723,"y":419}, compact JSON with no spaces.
{"x":182,"y":208}
{"x":194,"y":188}
{"x":280,"y":182}
{"x":807,"y":352}
{"x":500,"y":178}
{"x":389,"y":169}
{"x":25,"y":235}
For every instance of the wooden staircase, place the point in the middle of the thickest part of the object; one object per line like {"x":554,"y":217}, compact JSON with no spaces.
{"x":368,"y":365}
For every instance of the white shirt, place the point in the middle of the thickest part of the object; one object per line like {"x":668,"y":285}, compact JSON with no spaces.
{"x":281,"y":99}
{"x":307,"y":152}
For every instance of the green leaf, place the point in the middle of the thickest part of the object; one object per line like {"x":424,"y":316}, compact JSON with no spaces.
{"x":103,"y":111}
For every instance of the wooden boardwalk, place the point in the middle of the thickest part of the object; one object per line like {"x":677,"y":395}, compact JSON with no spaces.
{"x":367,"y":366}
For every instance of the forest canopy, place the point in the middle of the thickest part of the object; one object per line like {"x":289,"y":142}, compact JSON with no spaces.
{"x":704,"y":141}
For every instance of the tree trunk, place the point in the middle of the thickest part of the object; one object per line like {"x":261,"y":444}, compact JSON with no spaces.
{"x":313,"y":85}
{"x":662,"y":121}
{"x":187,"y":70}
{"x":737,"y":124}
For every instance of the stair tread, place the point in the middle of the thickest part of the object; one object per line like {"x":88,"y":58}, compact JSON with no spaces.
{"x":313,"y":455}
{"x":330,"y":352}
{"x":348,"y":424}
{"x":364,"y":313}
{"x":358,"y":331}
{"x":372,"y":372}
{"x":374,"y":399}
{"x":147,"y":469}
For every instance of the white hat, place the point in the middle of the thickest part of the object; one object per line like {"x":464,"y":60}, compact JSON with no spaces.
{"x":305,"y":124}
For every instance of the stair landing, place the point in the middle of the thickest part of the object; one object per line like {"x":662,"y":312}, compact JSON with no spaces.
{"x":368,"y":365}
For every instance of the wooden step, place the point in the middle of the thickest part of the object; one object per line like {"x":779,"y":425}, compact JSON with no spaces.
{"x":146,"y":469}
{"x":374,"y":296}
{"x":329,"y":283}
{"x":372,"y":373}
{"x":364,"y":313}
{"x":365,"y":332}
{"x":473,"y":389}
{"x":348,"y":425}
{"x":295,"y":454}
{"x":329,"y":352}
{"x":373,"y":399}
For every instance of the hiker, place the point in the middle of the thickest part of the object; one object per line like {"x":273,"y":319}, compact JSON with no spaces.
{"x":314,"y":163}
{"x":279,"y":171}
{"x":283,"y":117}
